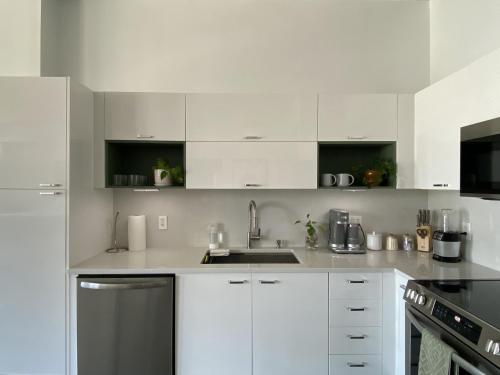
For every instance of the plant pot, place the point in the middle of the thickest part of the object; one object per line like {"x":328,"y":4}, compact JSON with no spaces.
{"x":165,"y":181}
{"x":372,"y":178}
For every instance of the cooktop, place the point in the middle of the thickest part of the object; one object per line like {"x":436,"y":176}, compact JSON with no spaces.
{"x":480,"y":298}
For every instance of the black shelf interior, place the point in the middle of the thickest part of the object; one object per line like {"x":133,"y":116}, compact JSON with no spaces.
{"x":139,"y":157}
{"x":337,"y":158}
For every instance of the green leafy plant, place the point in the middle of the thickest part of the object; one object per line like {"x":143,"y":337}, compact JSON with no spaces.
{"x":177,"y":175}
{"x":386,"y":167}
{"x":164,"y":165}
{"x":309,"y":224}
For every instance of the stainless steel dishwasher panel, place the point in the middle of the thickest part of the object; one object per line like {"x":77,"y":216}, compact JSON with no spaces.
{"x":125,"y":325}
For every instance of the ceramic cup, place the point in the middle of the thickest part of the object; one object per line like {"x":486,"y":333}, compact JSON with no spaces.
{"x":344,"y":179}
{"x":328,"y":179}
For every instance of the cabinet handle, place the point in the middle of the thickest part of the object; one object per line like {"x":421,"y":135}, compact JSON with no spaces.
{"x":142,"y":136}
{"x":360,"y":364}
{"x":440,"y":185}
{"x":353,"y":309}
{"x":356,"y":281}
{"x":252,"y":185}
{"x":269,"y":281}
{"x":357,"y":137}
{"x":357,"y":337}
{"x":146,"y":190}
{"x":402,"y":286}
{"x":49,"y":185}
{"x":237,"y":282}
{"x":252,"y":137}
{"x":52,"y":193}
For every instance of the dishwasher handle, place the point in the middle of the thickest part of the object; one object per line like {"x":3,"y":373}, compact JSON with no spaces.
{"x":125,"y":285}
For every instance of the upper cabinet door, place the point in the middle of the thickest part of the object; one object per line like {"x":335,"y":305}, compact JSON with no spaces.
{"x":370,"y":117}
{"x":251,"y":117}
{"x":251,"y":165}
{"x":144,"y":116}
{"x":33,"y":132}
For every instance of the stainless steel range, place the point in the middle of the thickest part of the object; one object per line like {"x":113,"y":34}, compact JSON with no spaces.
{"x":465,"y":314}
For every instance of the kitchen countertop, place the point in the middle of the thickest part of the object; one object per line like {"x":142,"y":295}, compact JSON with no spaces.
{"x":414,"y":264}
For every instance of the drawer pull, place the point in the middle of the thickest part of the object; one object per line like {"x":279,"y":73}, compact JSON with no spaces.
{"x":142,"y":136}
{"x":357,"y":281}
{"x":53,"y":193}
{"x":237,"y":282}
{"x":269,"y":281}
{"x":360,"y":364}
{"x":357,"y":137}
{"x":252,"y":137}
{"x":355,"y":309}
{"x":253,"y":185}
{"x":402,"y":286}
{"x":357,"y":337}
{"x":440,"y":185}
{"x":49,"y":185}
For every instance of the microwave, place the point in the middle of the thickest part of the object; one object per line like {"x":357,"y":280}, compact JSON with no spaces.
{"x":480,"y":160}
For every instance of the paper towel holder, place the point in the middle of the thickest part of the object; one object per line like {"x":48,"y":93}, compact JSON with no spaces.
{"x":115,"y":246}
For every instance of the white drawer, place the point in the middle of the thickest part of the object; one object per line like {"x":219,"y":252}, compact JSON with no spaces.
{"x":355,"y":313}
{"x":355,"y":340}
{"x":355,"y":365}
{"x":356,"y":285}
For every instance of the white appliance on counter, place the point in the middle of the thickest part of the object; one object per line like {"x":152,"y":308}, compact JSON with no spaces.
{"x":37,"y":145}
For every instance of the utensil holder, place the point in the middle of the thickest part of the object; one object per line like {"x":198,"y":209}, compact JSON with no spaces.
{"x":424,"y":238}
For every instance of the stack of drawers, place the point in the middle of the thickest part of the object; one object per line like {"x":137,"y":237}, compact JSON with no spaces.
{"x":355,"y":323}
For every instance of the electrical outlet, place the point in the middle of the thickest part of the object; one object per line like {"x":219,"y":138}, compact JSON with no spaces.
{"x":355,"y":219}
{"x":162,"y":222}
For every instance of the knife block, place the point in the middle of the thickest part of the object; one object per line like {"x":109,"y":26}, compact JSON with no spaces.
{"x":424,"y":238}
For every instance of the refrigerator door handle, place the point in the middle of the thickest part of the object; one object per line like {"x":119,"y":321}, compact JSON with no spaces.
{"x":114,"y":286}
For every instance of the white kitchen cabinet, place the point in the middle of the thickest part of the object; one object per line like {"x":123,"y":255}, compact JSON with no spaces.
{"x":439,"y":113}
{"x":33,"y":120}
{"x":32,"y":280}
{"x":214,"y":324}
{"x":249,"y":165}
{"x":405,"y":146}
{"x":251,"y":117}
{"x":290,"y":323}
{"x":144,"y":116}
{"x":400,"y":285}
{"x":357,"y":117}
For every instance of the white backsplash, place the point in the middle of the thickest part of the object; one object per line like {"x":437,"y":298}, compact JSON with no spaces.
{"x":483,"y":245}
{"x":191,"y":211}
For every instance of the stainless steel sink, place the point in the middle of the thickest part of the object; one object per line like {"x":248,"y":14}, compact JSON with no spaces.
{"x":252,"y":257}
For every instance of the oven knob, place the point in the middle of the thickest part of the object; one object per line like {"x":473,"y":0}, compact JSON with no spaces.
{"x":421,"y":300}
{"x":493,"y":347}
{"x":409,"y":292}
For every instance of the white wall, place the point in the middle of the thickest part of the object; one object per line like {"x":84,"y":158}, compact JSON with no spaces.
{"x":20,"y":37}
{"x":189,"y":213}
{"x":247,"y":45}
{"x":461,"y":32}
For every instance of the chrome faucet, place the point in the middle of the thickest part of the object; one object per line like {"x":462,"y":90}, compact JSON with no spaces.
{"x":253,"y":230}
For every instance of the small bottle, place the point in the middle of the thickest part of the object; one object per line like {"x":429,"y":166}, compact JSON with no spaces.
{"x":213,"y":237}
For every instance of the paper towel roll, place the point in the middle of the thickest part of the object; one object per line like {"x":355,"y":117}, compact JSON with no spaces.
{"x":137,"y":232}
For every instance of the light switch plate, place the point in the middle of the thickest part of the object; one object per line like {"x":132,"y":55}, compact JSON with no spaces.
{"x":162,"y":222}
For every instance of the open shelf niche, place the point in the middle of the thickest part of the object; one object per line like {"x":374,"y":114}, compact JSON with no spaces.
{"x":139,"y":158}
{"x":353,"y":158}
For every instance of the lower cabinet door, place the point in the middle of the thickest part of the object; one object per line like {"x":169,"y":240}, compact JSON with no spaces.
{"x":214,"y":324}
{"x":290,"y":324}
{"x":355,"y":365}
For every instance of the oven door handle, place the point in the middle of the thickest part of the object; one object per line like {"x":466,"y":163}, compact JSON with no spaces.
{"x":459,"y":361}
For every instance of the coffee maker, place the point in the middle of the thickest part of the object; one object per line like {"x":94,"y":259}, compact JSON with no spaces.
{"x":345,"y":237}
{"x":447,"y":242}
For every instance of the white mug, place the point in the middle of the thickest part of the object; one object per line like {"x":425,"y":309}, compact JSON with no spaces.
{"x":344,"y":179}
{"x":328,"y":179}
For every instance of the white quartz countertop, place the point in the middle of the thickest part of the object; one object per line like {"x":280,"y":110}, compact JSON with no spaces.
{"x":414,"y":264}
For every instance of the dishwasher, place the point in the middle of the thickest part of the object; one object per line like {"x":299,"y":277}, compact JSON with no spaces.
{"x":125,"y":325}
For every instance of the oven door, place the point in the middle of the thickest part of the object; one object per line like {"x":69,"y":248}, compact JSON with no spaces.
{"x":465,"y":362}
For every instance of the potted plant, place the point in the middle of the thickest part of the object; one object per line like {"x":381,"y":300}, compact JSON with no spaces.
{"x":312,"y":242}
{"x":387,"y":169}
{"x":162,"y":173}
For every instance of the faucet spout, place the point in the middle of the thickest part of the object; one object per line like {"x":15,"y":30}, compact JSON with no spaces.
{"x":253,"y":229}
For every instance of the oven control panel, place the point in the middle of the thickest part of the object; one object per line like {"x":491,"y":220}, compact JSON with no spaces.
{"x":466,"y":328}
